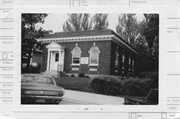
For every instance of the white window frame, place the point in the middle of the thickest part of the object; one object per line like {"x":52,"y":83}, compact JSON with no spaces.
{"x":123,"y":60}
{"x":129,"y":62}
{"x":56,"y":59}
{"x":90,"y":55}
{"x":79,"y":56}
{"x":132,"y":64}
{"x":117,"y":58}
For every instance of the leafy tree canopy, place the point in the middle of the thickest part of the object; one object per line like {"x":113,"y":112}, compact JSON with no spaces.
{"x":77,"y":22}
{"x":127,"y":27}
{"x":100,"y":21}
{"x":143,"y":36}
{"x":81,"y":22}
{"x":151,"y":31}
{"x":30,"y":33}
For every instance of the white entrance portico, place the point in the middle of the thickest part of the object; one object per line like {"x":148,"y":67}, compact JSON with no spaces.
{"x":55,"y":59}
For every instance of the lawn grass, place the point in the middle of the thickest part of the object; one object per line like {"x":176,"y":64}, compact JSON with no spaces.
{"x":74,"y":83}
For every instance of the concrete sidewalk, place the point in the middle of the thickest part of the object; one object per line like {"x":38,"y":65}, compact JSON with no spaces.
{"x":92,"y":98}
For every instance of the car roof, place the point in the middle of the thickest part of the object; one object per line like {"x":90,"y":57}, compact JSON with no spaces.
{"x":37,"y":75}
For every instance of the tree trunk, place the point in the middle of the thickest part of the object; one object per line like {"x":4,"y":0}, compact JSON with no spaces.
{"x":29,"y":57}
{"x":30,"y":48}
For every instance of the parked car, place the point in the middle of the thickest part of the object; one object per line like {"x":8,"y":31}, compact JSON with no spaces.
{"x":40,"y":89}
{"x":150,"y":99}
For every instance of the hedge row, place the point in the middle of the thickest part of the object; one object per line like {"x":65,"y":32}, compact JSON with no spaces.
{"x":106,"y":85}
{"x":30,"y":70}
{"x":132,"y":86}
{"x":136,"y":86}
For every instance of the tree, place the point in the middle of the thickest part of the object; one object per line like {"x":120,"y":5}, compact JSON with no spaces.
{"x":77,"y":22}
{"x":100,"y":21}
{"x":30,"y":33}
{"x":143,"y":36}
{"x":82,"y":22}
{"x":151,"y":33}
{"x":128,"y":27}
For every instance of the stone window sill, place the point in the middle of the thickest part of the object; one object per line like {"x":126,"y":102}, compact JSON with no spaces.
{"x":75,"y":64}
{"x":93,"y":65}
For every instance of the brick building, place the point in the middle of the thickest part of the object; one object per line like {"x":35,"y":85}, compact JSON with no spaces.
{"x":100,"y":52}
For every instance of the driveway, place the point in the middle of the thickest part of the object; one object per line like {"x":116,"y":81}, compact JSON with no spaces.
{"x":77,"y":97}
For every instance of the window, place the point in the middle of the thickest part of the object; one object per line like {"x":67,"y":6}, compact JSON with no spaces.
{"x":94,"y":55}
{"x":123,"y":59}
{"x":37,"y":79}
{"x":133,"y":64}
{"x":56,"y":57}
{"x":130,"y":62}
{"x":76,"y":55}
{"x":117,"y":58}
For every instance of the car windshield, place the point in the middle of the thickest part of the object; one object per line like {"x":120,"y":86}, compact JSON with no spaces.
{"x":153,"y":96}
{"x":37,"y":79}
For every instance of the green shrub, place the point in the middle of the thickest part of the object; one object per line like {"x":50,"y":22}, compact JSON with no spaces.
{"x":72,"y":75}
{"x":106,"y":85}
{"x":87,"y":76}
{"x":81,"y":75}
{"x":137,"y":86}
{"x":143,"y":74}
{"x":151,"y":75}
{"x":30,"y":70}
{"x":155,"y":79}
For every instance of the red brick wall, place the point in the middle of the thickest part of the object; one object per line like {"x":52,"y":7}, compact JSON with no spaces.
{"x":104,"y":56}
{"x":119,"y":69}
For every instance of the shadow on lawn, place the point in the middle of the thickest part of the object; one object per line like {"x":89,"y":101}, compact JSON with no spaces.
{"x":74,"y":83}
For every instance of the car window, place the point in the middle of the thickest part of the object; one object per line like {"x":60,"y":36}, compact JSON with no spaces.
{"x":37,"y":79}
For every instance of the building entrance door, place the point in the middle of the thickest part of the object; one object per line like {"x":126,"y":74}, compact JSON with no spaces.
{"x":55,"y":60}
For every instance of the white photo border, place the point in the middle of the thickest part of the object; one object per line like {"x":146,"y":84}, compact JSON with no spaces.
{"x":161,"y":107}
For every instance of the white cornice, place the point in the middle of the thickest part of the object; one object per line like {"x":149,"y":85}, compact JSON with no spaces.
{"x":87,"y":38}
{"x":76,"y":39}
{"x":124,"y":44}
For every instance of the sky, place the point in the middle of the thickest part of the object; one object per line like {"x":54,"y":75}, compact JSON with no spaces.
{"x":55,"y":22}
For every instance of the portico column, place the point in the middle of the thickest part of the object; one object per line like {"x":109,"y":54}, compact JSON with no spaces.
{"x":51,"y":59}
{"x":63,"y":56}
{"x":47,"y":68}
{"x":60,"y":60}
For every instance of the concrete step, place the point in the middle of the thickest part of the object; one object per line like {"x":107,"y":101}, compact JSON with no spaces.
{"x":51,"y":73}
